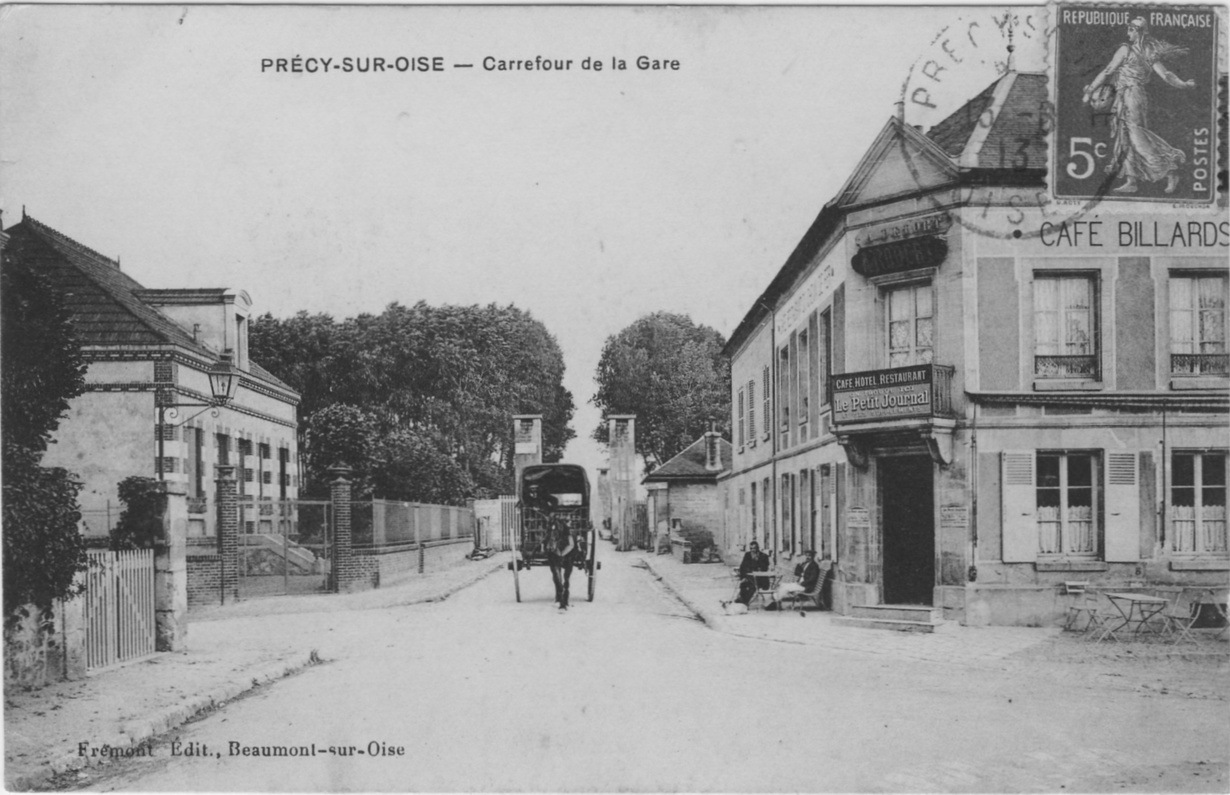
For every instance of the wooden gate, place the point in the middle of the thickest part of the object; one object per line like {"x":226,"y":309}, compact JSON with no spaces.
{"x":119,"y":607}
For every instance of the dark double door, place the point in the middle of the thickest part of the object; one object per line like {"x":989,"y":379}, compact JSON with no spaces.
{"x":908,"y":527}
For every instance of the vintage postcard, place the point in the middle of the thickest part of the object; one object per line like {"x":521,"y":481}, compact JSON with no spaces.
{"x":607,"y":398}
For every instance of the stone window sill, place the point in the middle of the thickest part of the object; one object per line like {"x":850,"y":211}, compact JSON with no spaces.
{"x":1066,"y":385}
{"x":1181,"y":383}
{"x":1070,"y":565}
{"x":1206,"y":564}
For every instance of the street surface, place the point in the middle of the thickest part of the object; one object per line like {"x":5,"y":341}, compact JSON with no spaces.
{"x":630,"y":692}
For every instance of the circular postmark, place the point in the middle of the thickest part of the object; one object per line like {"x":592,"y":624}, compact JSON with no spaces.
{"x":977,"y":119}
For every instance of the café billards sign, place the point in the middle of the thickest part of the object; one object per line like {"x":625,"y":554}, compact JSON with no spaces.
{"x":882,"y":394}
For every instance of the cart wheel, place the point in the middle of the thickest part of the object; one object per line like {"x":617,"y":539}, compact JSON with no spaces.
{"x":515,"y":566}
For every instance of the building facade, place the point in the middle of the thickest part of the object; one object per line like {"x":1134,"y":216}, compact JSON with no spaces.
{"x":967,"y":399}
{"x":684,"y":497}
{"x":148,"y":348}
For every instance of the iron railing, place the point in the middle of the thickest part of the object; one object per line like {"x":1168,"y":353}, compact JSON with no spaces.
{"x":1083,"y":367}
{"x":1200,"y":363}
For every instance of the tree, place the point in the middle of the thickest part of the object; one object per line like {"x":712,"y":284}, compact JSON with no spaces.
{"x":671,"y":374}
{"x":41,"y":370}
{"x":441,"y":385}
{"x":340,"y":434}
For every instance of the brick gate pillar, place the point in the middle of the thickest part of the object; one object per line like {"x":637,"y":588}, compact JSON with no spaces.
{"x":344,"y":574}
{"x":228,"y":532}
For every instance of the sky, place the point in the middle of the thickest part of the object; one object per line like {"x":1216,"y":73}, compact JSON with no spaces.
{"x":590,"y":198}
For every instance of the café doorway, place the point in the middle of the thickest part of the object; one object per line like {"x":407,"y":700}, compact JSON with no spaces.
{"x":908,"y":529}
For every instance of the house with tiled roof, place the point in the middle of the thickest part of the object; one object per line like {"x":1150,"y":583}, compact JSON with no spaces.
{"x":684,"y":497}
{"x":967,"y":397}
{"x":145,"y":346}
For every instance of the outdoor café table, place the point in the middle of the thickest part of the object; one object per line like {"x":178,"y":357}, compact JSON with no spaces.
{"x":766,"y":583}
{"x":1134,"y":610}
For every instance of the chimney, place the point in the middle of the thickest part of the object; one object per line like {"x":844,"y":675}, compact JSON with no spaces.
{"x":713,"y":452}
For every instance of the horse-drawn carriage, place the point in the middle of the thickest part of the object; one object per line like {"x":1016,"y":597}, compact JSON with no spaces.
{"x":554,"y":499}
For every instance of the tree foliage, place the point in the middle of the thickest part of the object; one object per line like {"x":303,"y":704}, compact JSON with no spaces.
{"x":140,"y":523}
{"x":41,"y":369}
{"x":441,"y":385}
{"x":671,"y":374}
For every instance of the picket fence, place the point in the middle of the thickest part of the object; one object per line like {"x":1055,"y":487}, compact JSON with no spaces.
{"x":119,"y":607}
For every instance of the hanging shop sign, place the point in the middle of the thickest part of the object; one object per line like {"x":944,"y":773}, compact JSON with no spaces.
{"x":902,"y":246}
{"x":882,"y":394}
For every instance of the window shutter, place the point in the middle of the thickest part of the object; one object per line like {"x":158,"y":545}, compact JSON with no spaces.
{"x":1020,"y":541}
{"x":1122,"y":508}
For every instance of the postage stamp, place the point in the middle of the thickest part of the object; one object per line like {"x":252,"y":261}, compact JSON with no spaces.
{"x":1135,"y":97}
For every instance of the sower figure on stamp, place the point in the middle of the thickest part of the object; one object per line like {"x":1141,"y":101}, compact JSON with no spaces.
{"x":560,"y":548}
{"x":1139,"y":152}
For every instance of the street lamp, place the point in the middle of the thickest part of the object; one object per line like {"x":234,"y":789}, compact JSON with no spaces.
{"x":223,"y":381}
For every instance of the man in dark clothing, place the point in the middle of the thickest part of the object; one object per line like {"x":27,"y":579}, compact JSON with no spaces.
{"x":753,"y":561}
{"x":807,"y":575}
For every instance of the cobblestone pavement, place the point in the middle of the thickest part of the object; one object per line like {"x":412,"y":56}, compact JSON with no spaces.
{"x":231,"y":649}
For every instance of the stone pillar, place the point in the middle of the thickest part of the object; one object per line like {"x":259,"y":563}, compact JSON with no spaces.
{"x":171,"y":570}
{"x":621,"y":433}
{"x":343,"y":555}
{"x":527,"y":445}
{"x":228,"y":532}
{"x":72,"y":634}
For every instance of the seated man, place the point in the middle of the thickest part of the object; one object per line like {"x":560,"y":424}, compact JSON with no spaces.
{"x":807,"y":575}
{"x":753,"y":561}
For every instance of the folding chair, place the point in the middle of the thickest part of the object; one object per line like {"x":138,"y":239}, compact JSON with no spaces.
{"x":1178,"y":621}
{"x":1086,"y":607}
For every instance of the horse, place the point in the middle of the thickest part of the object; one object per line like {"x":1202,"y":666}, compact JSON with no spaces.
{"x":560,"y":551}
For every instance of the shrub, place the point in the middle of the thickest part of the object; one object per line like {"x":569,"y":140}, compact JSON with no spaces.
{"x":140,"y":524}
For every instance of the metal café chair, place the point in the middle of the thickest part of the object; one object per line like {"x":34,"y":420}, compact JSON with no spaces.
{"x":1178,"y":618}
{"x":1085,"y":608}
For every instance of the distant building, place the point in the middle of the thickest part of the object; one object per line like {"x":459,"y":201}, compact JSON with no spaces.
{"x":967,"y":404}
{"x":139,"y":343}
{"x":685,"y":490}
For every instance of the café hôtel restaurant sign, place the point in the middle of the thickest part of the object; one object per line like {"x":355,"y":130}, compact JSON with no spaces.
{"x":882,"y":394}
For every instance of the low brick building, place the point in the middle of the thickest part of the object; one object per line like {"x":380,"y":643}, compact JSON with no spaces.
{"x":684,"y":495}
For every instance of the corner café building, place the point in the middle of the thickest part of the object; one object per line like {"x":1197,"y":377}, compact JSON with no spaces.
{"x":966,"y":417}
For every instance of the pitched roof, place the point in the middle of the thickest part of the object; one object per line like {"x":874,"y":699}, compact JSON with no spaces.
{"x":103,"y":299}
{"x":690,"y":464}
{"x":984,"y":154}
{"x":107,"y":305}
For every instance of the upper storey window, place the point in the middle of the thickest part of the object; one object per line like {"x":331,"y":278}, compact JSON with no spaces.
{"x":1065,"y":326}
{"x":910,"y":325}
{"x":1198,"y":325}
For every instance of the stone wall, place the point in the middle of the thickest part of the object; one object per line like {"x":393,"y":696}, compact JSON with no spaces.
{"x":35,"y":657}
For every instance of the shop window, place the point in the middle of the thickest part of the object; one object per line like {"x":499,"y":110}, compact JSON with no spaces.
{"x":742,"y":408}
{"x":751,"y":412}
{"x":1198,"y":325}
{"x":1067,"y":504}
{"x":1198,"y":502}
{"x":1053,"y":507}
{"x":804,"y":379}
{"x":825,"y":350}
{"x":783,"y":394}
{"x":766,"y":402}
{"x":755,"y":508}
{"x":910,"y":325}
{"x":1065,"y":327}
